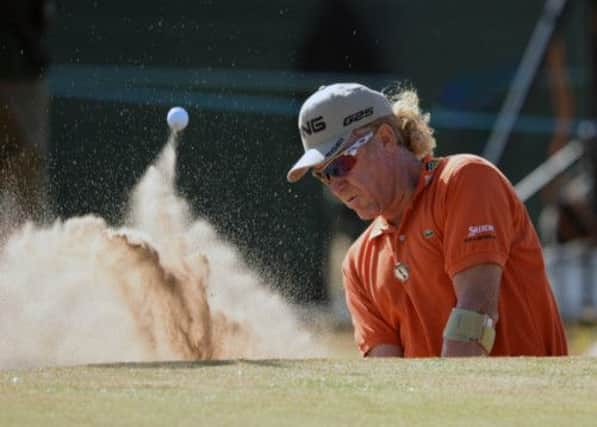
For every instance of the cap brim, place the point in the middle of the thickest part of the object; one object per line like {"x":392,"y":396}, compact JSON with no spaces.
{"x":311,"y":158}
{"x":316,"y":156}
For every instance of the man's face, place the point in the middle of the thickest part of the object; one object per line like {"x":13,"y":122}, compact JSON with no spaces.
{"x":372,"y":185}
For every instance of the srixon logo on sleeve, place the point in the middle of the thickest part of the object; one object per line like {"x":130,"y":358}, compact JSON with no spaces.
{"x":477,"y":232}
{"x":314,"y":125}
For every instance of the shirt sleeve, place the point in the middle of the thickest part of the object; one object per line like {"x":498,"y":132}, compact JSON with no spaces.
{"x":370,"y":329}
{"x":479,"y":209}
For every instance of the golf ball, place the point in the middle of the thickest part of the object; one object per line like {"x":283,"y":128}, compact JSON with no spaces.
{"x":177,"y":118}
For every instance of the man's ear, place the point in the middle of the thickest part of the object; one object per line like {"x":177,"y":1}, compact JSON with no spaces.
{"x":386,"y":134}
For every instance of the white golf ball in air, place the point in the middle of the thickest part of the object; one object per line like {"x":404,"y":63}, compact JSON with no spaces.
{"x":178,"y":118}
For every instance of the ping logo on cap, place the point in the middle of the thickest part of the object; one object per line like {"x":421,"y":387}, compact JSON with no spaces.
{"x":359,"y":115}
{"x":314,"y":125}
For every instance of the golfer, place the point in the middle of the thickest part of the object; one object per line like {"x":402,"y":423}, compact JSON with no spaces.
{"x":450,"y":264}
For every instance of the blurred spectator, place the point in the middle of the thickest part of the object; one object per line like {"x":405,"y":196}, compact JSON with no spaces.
{"x":24,"y":103}
{"x":592,"y":143}
{"x":577,"y":202}
{"x":569,"y":212}
{"x":341,"y":43}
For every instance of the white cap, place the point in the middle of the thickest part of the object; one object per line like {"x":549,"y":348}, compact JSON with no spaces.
{"x":328,"y":117}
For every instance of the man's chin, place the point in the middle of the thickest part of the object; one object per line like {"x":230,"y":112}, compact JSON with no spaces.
{"x":365,"y":215}
{"x":366,"y":212}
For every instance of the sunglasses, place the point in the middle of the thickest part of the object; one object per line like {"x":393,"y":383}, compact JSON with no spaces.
{"x":341,"y":165}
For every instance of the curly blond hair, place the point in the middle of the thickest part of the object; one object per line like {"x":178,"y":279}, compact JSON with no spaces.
{"x":410,"y":124}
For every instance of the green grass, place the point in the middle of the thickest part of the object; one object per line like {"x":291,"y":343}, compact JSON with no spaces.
{"x":505,"y":391}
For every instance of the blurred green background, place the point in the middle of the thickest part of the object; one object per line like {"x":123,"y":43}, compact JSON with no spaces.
{"x":242,"y":70}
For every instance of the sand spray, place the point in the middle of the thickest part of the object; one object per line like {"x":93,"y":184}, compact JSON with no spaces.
{"x":164,"y":287}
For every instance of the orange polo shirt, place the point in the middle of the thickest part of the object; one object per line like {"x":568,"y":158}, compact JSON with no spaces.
{"x":464,"y":212}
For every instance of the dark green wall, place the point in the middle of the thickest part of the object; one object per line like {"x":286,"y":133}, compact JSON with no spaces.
{"x":242,"y":69}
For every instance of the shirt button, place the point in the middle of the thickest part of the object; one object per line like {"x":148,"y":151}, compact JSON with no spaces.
{"x":402,"y":237}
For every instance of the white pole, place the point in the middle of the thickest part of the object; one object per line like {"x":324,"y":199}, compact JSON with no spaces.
{"x":522,"y":81}
{"x":548,"y":170}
